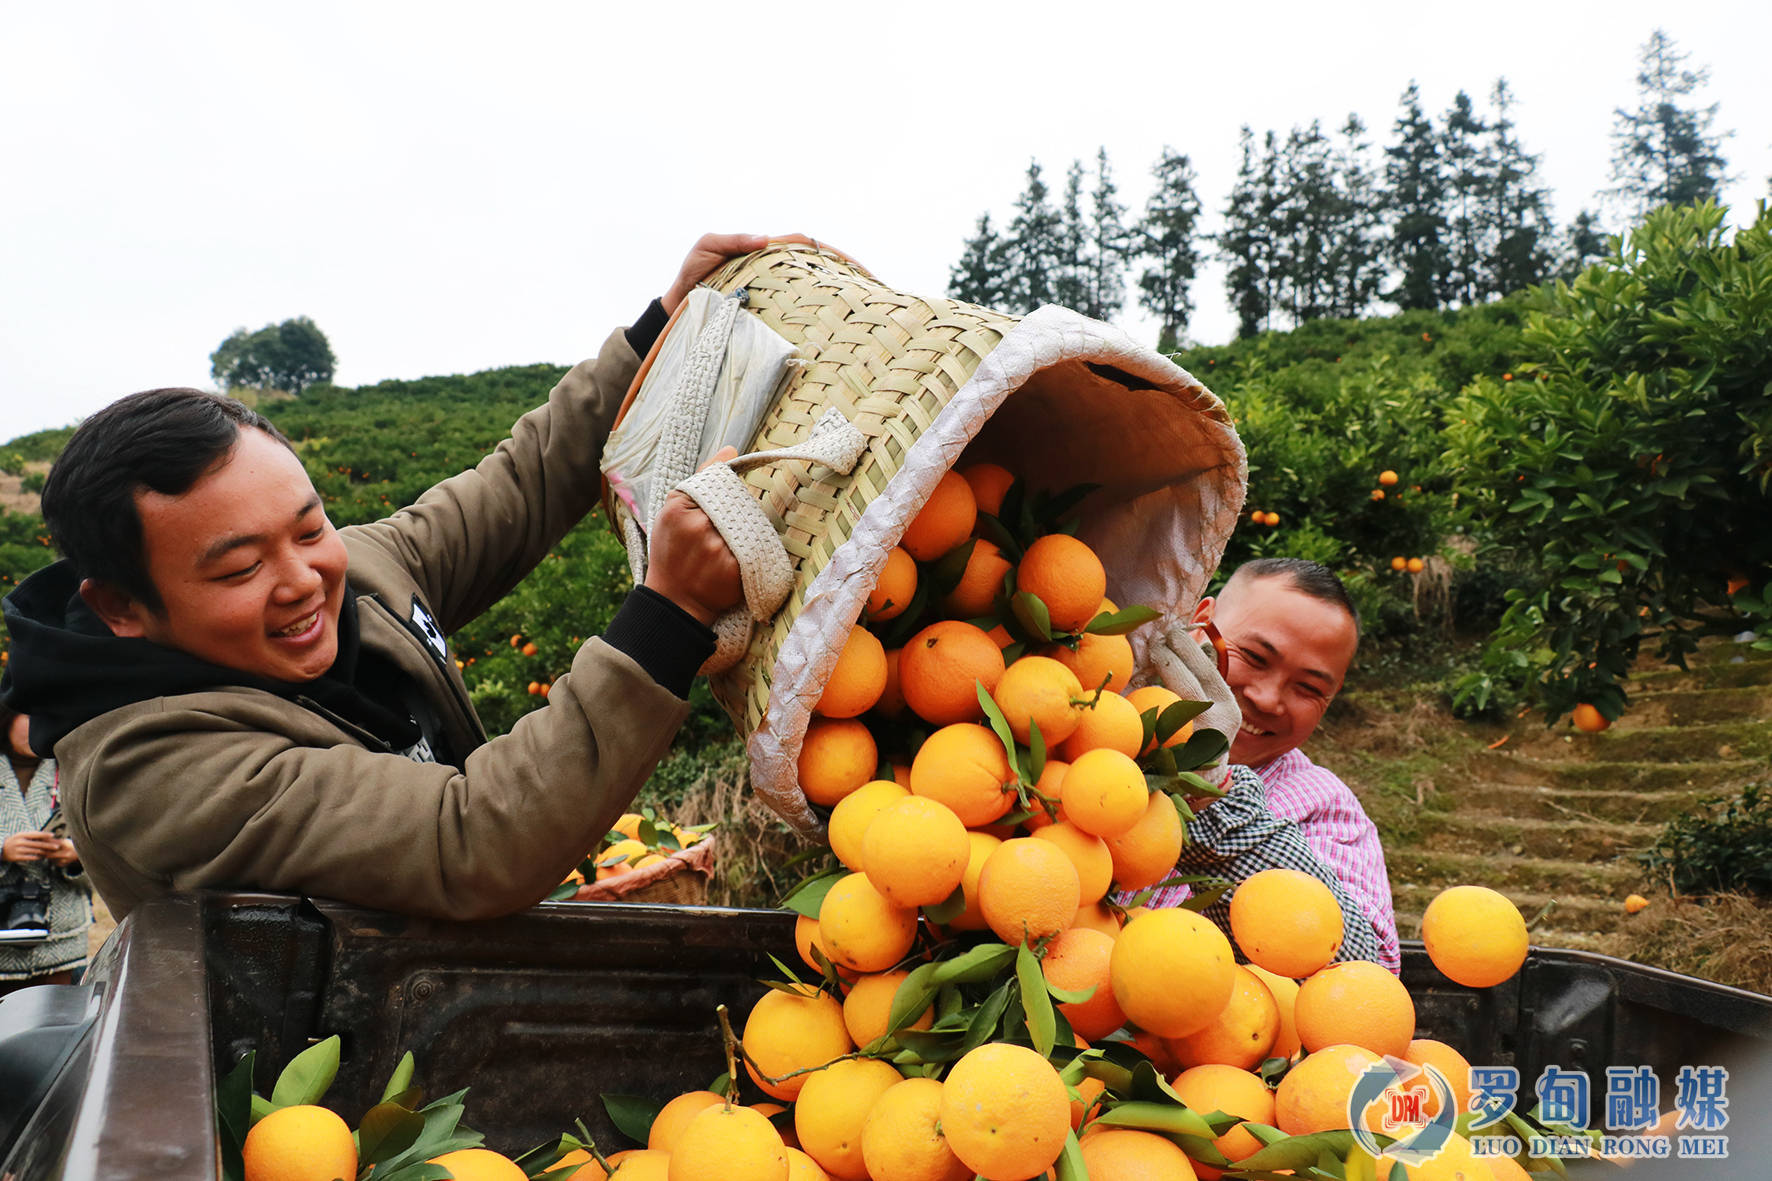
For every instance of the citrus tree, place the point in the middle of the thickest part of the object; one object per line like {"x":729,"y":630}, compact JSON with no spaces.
{"x":1631,"y":465}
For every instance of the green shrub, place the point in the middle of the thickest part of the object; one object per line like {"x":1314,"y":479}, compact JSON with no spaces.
{"x":1725,"y":847}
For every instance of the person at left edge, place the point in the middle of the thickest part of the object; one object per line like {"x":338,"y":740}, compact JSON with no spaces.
{"x":240,"y":695}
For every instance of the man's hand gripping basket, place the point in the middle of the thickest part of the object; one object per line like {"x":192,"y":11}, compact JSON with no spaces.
{"x":917,"y":383}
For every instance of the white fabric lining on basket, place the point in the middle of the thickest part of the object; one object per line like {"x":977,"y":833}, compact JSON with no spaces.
{"x":1137,"y":527}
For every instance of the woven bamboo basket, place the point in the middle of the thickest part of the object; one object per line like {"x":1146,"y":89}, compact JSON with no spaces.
{"x":679,"y":880}
{"x":1054,"y":396}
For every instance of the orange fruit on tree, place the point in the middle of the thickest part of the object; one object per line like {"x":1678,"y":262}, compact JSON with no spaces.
{"x":849,"y":820}
{"x":807,"y":938}
{"x":1589,"y":720}
{"x":867,"y":1010}
{"x":1027,"y":890}
{"x":1474,"y":935}
{"x":1105,"y":792}
{"x":1089,"y":856}
{"x":833,"y":1109}
{"x":1088,"y":1089}
{"x":1068,"y":578}
{"x":1355,"y":1003}
{"x":1634,"y":903}
{"x":1111,"y":723}
{"x":1416,"y":565}
{"x":1242,"y":1034}
{"x":837,"y":755}
{"x":1313,"y":1096}
{"x":902,"y":1137}
{"x":1399,"y":564}
{"x":530,"y":649}
{"x":1285,"y":993}
{"x":965,"y":767}
{"x":861,"y":928}
{"x":891,"y":703}
{"x":302,"y":1142}
{"x":976,"y":592}
{"x":980,"y":846}
{"x":1449,"y":1062}
{"x":790,"y":1031}
{"x":628,"y":825}
{"x":1241,"y":1093}
{"x":1146,"y":853}
{"x":1287,"y":921}
{"x":1037,"y":690}
{"x":479,"y":1164}
{"x":728,"y":1143}
{"x":1077,"y":960}
{"x":1099,"y":661}
{"x":1159,"y":698}
{"x":1378,"y":494}
{"x":1133,"y":1154}
{"x":587,"y":1167}
{"x":944,"y":521}
{"x":915,"y":851}
{"x":1005,"y":1111}
{"x":1270,"y":518}
{"x":675,"y":1115}
{"x":895,"y":589}
{"x":989,"y":483}
{"x":941,"y":667}
{"x":858,"y":679}
{"x":1172,"y":972}
{"x":1387,"y":478}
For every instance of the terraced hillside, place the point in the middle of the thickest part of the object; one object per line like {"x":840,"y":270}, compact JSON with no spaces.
{"x":1553,"y":815}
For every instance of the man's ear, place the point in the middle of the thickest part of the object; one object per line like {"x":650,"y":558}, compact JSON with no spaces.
{"x":1203,"y":613}
{"x":121,"y":611}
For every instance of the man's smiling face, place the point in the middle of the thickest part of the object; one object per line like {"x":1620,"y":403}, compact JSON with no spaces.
{"x":1289,"y":653}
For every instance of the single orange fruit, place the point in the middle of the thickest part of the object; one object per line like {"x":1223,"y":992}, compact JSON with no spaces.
{"x":942,"y":666}
{"x":837,"y":755}
{"x":867,"y":1010}
{"x":1159,"y":698}
{"x":1130,"y":1153}
{"x":728,"y":1144}
{"x":944,"y":521}
{"x":915,"y":851}
{"x":1146,"y":853}
{"x":833,"y":1108}
{"x":902,"y":1137}
{"x":1243,"y":1033}
{"x":1005,"y":1111}
{"x":858,"y":679}
{"x":1105,"y":792}
{"x":1241,"y":1093}
{"x":1067,"y":576}
{"x":1097,"y":917}
{"x":1474,"y":935}
{"x":989,"y":483}
{"x":1097,"y":660}
{"x":1111,"y":723}
{"x":861,"y":928}
{"x":628,"y":825}
{"x":980,"y":846}
{"x":1285,"y":992}
{"x":1287,"y":921}
{"x":1313,"y":1096}
{"x":1589,"y":720}
{"x":530,"y":649}
{"x":1355,"y":1003}
{"x":790,"y":1031}
{"x":1172,"y":972}
{"x":1027,"y":890}
{"x":965,"y":767}
{"x":1387,"y":478}
{"x":807,"y":939}
{"x":897,"y":586}
{"x":1088,"y":854}
{"x":849,"y":820}
{"x":1077,"y":960}
{"x":303,"y":1142}
{"x":1050,"y":784}
{"x":976,"y":592}
{"x":1378,"y":494}
{"x":891,"y":703}
{"x":1270,"y":519}
{"x":1416,"y":565}
{"x":1399,"y":564}
{"x":1635,"y":903}
{"x":802,"y":1167}
{"x":1450,"y":1063}
{"x":671,"y":1119}
{"x":1088,"y":1090}
{"x":479,"y":1164}
{"x":1037,"y":690}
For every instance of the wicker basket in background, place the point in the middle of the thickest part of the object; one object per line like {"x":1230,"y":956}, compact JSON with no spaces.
{"x":679,"y":880}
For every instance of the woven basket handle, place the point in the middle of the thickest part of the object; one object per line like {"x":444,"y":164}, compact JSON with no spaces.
{"x":764,"y":563}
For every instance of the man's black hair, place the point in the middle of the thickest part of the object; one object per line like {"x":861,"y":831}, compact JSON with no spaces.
{"x":157,"y":441}
{"x":1309,"y":578}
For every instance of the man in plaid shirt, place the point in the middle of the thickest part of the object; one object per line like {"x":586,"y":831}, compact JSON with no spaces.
{"x":1291,"y":632}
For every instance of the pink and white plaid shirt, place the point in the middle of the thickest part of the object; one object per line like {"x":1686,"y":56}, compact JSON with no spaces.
{"x":1341,"y":835}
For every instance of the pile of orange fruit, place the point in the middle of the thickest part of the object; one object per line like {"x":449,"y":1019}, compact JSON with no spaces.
{"x":982,"y":995}
{"x":639,"y":839}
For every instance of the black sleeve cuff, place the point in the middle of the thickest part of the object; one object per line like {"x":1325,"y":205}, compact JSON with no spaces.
{"x":665,"y":640}
{"x":642,"y":332}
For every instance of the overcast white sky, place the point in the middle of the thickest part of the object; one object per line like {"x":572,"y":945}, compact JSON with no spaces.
{"x":449,"y":187}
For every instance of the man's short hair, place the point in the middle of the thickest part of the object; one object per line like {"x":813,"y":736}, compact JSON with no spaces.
{"x":157,"y":441}
{"x":1309,"y":578}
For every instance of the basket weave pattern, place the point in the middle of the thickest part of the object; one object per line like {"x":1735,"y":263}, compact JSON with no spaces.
{"x":890,"y":362}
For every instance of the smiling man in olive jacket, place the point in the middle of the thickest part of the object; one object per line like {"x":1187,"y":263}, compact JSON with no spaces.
{"x":240,"y":695}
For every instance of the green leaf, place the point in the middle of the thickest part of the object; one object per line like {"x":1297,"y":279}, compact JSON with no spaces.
{"x":1298,"y":1152}
{"x":993,"y":530}
{"x":935,"y":1045}
{"x":564,"y":892}
{"x":1070,"y":1160}
{"x":1168,"y":1116}
{"x":975,"y":965}
{"x":1054,"y":509}
{"x":1036,"y":764}
{"x":949,"y":569}
{"x":387,"y":1130}
{"x":985,"y":1021}
{"x":807,"y":897}
{"x":261,"y":1107}
{"x":1203,"y":749}
{"x":632,"y":1115}
{"x":1031,"y":613}
{"x":915,"y":993}
{"x":1035,"y":1001}
{"x":1000,"y":727}
{"x":308,"y":1074}
{"x":1176,"y":715}
{"x":947,"y":910}
{"x":233,"y":1115}
{"x":1118,"y":623}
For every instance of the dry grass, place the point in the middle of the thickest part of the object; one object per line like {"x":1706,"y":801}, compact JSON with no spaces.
{"x":1721,"y":937}
{"x":757,"y":851}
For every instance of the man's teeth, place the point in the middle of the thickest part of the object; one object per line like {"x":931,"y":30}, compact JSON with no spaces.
{"x":299,"y":626}
{"x":1248,"y":729}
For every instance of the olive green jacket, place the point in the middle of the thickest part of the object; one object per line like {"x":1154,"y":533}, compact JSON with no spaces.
{"x":237,"y":787}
